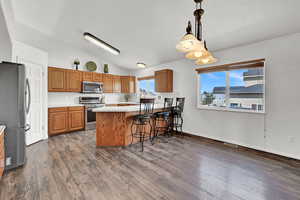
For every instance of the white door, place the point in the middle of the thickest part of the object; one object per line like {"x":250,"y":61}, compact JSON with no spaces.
{"x":34,"y":74}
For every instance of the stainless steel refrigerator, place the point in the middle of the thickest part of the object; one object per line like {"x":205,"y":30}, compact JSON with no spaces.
{"x":14,"y":106}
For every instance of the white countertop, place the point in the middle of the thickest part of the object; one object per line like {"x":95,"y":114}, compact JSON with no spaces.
{"x":123,"y":108}
{"x":2,"y":128}
{"x":64,"y":105}
{"x":77,"y":104}
{"x":129,"y":102}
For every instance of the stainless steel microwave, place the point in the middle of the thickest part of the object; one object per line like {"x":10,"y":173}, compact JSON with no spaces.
{"x":92,"y":87}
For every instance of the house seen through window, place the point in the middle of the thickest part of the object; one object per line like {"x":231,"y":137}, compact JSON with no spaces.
{"x":235,"y":89}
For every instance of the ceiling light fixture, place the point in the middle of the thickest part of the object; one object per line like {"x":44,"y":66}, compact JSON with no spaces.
{"x":194,"y":45}
{"x":141,"y":65}
{"x":98,"y":42}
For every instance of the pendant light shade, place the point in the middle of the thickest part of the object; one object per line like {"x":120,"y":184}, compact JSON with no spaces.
{"x":197,"y":54}
{"x":207,"y":60}
{"x":188,"y":43}
{"x":194,"y":45}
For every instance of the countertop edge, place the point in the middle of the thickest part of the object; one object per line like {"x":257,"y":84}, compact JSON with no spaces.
{"x":122,"y":109}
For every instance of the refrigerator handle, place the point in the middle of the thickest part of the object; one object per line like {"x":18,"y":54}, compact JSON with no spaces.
{"x":29,"y":96}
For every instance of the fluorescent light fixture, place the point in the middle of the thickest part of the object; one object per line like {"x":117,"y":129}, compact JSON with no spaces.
{"x":141,"y":65}
{"x":96,"y":41}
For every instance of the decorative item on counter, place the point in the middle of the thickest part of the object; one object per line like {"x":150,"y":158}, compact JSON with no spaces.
{"x":91,"y":66}
{"x":127,"y":97}
{"x":76,"y":63}
{"x":106,"y":68}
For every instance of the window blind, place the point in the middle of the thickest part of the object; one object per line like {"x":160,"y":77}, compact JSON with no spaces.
{"x":238,"y":65}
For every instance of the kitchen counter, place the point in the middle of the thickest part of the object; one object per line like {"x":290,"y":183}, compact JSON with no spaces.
{"x":64,"y":105}
{"x":135,"y":108}
{"x":113,"y":124}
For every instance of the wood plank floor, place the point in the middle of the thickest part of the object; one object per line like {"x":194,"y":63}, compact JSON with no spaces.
{"x":70,"y":167}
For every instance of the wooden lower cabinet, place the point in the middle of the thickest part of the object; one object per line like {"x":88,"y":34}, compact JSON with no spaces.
{"x":65,"y":119}
{"x":2,"y":154}
{"x":76,"y":119}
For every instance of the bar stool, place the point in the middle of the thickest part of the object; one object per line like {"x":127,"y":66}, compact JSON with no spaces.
{"x":162,"y":120}
{"x":177,"y":111}
{"x":142,"y":122}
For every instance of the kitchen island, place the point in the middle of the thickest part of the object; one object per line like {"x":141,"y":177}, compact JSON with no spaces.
{"x":113,"y":124}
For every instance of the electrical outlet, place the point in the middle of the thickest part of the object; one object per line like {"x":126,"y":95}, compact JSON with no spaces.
{"x":8,"y":161}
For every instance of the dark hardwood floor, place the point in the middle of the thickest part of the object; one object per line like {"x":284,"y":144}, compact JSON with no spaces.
{"x":70,"y":167}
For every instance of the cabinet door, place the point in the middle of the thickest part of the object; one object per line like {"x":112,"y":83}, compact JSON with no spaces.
{"x":58,"y":121}
{"x":108,"y":83}
{"x":87,"y":76}
{"x":132,"y":84}
{"x":97,"y":77}
{"x":124,"y":84}
{"x":76,"y":119}
{"x":74,"y":79}
{"x":164,"y":81}
{"x":56,"y":80}
{"x":116,"y":84}
{"x":2,"y":154}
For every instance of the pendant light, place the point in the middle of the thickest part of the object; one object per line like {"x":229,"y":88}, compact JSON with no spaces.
{"x":189,"y":42}
{"x":194,"y":46}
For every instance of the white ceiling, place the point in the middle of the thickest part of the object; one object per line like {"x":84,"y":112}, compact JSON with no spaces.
{"x":147,"y":31}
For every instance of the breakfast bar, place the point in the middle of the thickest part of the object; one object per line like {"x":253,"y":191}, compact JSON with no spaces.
{"x":113,"y":124}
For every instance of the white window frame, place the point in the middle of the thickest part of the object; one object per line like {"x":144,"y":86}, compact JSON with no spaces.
{"x":228,"y":109}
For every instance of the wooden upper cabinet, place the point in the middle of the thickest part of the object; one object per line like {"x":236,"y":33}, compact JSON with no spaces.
{"x":87,"y":76}
{"x":57,"y":79}
{"x":132,"y":84}
{"x":67,"y":80}
{"x":92,"y":77}
{"x":164,"y":81}
{"x":97,"y":77}
{"x":128,"y":84}
{"x":74,"y":79}
{"x":116,"y":84}
{"x":108,"y":83}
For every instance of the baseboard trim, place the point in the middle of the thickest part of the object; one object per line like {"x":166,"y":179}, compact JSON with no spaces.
{"x":290,"y":161}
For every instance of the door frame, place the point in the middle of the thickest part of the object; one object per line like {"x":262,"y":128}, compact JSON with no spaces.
{"x":38,"y":57}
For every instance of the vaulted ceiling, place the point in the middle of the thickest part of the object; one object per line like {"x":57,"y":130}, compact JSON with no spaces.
{"x":147,"y":31}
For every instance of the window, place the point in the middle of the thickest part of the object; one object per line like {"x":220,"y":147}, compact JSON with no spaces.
{"x":213,"y":87}
{"x":234,"y":87}
{"x":147,"y":84}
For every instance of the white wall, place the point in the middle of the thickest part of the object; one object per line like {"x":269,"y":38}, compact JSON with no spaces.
{"x":278,"y":131}
{"x":64,"y":57}
{"x":5,"y":42}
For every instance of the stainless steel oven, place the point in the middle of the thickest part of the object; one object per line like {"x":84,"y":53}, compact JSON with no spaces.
{"x":92,"y":87}
{"x":90,"y":116}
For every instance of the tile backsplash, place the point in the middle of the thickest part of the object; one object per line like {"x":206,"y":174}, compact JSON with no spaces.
{"x":73,"y":98}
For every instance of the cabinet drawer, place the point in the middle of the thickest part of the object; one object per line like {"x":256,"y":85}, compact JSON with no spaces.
{"x":60,"y":109}
{"x":76,"y":108}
